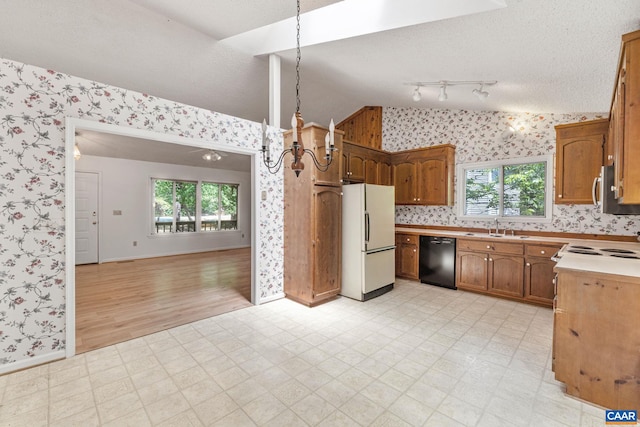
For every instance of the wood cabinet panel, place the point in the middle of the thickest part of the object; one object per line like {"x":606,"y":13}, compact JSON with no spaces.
{"x":407,"y":256}
{"x":364,"y":127}
{"x":506,"y":275}
{"x":404,"y":178}
{"x":327,"y":240}
{"x":596,"y":338}
{"x":384,"y":173}
{"x":491,"y":245}
{"x":371,"y":171}
{"x":362,"y":164}
{"x":472,"y":271}
{"x":433,"y":176}
{"x":579,"y":157}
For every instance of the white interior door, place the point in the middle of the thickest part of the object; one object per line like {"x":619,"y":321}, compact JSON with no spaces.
{"x":86,"y":218}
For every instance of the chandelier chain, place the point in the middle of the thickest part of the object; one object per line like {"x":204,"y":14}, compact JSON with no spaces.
{"x":298,"y":59}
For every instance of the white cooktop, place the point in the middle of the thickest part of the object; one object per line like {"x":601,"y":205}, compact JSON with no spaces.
{"x":621,"y":258}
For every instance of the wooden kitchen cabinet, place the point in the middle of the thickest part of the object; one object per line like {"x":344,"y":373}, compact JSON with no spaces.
{"x":312,"y":224}
{"x":424,"y":176}
{"x":579,"y":157}
{"x":364,"y":127}
{"x":596,"y":336}
{"x":490,"y":266}
{"x":624,"y":130}
{"x":538,"y":273}
{"x":363,"y":164}
{"x":407,"y":255}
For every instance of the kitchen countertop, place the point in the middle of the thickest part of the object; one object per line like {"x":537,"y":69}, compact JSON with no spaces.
{"x":595,"y":264}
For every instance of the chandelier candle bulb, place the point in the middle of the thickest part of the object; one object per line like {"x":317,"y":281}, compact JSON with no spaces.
{"x":327,"y":144}
{"x":264,"y":134}
{"x":332,"y":128}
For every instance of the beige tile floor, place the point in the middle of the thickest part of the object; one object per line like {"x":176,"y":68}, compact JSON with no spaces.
{"x":419,"y":355}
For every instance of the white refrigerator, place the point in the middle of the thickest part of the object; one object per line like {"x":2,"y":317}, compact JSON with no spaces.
{"x":368,"y":240}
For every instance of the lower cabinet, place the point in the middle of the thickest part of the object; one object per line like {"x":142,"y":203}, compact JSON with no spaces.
{"x":510,"y":269}
{"x":407,"y":255}
{"x":538,"y":273}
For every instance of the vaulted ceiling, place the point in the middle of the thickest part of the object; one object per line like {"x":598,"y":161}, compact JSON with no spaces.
{"x":547,"y":55}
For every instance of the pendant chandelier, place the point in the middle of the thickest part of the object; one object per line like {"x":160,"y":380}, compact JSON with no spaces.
{"x":297,"y":149}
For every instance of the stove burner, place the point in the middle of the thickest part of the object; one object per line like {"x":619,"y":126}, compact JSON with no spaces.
{"x":581,"y":247}
{"x":618,"y":251}
{"x":625,"y":256}
{"x":584,"y":252}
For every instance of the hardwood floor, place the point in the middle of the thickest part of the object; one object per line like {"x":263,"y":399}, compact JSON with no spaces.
{"x":119,"y":301}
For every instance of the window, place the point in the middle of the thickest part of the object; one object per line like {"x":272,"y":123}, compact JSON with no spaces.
{"x":516,"y":189}
{"x":187,"y":206}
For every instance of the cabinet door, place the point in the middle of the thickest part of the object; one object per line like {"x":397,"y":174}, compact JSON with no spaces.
{"x":538,"y":280}
{"x":356,"y":168}
{"x":404,"y":177}
{"x":371,"y":171}
{"x":408,"y":266}
{"x":327,"y":241}
{"x":432,"y":188}
{"x":345,"y":165}
{"x":506,"y":275}
{"x":384,"y":173}
{"x":333,"y":175}
{"x":471,"y":270}
{"x":578,"y":163}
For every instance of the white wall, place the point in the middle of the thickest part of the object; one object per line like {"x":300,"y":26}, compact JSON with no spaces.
{"x":125,"y":185}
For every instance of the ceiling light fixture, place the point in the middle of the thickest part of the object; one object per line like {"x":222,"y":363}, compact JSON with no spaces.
{"x":211,"y":156}
{"x":417,"y":96}
{"x":443,"y":84}
{"x":297,"y":149}
{"x":443,"y":93}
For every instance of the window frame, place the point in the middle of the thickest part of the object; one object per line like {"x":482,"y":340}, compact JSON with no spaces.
{"x":461,"y":169}
{"x":198,"y":211}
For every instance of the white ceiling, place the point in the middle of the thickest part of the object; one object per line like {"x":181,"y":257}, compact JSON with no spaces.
{"x":547,"y":55}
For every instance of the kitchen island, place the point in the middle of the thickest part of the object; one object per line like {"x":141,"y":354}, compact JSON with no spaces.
{"x":596,"y":334}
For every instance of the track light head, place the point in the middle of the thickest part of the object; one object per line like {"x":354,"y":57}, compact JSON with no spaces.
{"x":443,"y":93}
{"x":417,"y":96}
{"x":481,"y":93}
{"x":211,"y":156}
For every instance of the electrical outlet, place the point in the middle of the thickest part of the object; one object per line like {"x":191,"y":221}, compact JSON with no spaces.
{"x":264,"y":195}
{"x":135,"y":243}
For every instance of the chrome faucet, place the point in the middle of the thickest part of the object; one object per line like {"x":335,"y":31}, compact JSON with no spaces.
{"x":497,"y":232}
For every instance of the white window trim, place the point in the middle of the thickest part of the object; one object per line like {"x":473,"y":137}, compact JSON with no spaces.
{"x":461,"y":182}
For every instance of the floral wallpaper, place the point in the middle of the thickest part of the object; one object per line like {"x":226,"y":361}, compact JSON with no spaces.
{"x":33,"y":105}
{"x":481,"y":136}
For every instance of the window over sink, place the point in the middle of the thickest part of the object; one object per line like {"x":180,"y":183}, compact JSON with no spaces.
{"x":513,"y":189}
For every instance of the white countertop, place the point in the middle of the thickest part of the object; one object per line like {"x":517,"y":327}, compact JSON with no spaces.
{"x":589,"y":263}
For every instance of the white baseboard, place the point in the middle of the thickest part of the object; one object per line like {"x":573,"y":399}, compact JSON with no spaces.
{"x":225,"y":248}
{"x":274,"y":297}
{"x":32,"y":361}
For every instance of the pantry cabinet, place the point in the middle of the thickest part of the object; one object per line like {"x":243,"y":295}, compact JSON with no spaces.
{"x":579,"y":157}
{"x":312,"y":224}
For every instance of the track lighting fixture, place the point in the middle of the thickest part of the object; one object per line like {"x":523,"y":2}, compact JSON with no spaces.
{"x":211,"y":156}
{"x":443,"y":93}
{"x":417,"y":96}
{"x":76,"y":152}
{"x":443,"y":96}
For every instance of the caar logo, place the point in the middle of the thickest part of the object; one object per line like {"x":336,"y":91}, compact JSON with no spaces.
{"x":621,"y":417}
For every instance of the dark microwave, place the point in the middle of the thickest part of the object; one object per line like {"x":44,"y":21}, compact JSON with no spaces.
{"x":604,"y":198}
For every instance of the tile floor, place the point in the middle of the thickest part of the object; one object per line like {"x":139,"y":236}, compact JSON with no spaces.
{"x":419,"y":355}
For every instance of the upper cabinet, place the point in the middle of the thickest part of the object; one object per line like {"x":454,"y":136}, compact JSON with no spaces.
{"x":579,"y":156}
{"x":362,"y":164}
{"x":624,"y":130}
{"x":424,"y":176}
{"x":364,"y":127}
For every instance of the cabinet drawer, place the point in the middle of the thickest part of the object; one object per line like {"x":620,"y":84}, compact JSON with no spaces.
{"x":407,"y":239}
{"x":541,"y":250}
{"x":491,"y":246}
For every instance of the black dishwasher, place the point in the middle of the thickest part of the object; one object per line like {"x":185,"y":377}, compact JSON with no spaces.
{"x":438,"y":261}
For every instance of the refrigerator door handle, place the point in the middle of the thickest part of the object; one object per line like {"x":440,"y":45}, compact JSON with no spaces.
{"x":367,"y":227}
